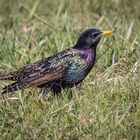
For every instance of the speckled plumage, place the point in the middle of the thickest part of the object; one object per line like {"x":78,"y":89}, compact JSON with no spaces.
{"x":62,"y":70}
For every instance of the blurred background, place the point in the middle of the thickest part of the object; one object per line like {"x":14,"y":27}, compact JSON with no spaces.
{"x":107,"y":104}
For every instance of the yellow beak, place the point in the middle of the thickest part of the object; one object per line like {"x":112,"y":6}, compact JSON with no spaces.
{"x":107,"y":32}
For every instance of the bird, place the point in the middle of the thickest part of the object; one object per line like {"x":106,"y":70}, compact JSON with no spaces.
{"x":64,"y":69}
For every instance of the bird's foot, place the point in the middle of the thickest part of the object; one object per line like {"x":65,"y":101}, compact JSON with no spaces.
{"x":42,"y":99}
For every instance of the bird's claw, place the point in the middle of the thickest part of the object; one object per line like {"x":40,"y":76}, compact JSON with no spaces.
{"x":42,"y":99}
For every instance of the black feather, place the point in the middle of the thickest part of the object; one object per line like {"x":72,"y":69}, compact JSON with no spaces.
{"x":64,"y":69}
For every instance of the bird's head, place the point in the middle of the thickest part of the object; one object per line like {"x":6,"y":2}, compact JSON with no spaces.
{"x":90,"y":38}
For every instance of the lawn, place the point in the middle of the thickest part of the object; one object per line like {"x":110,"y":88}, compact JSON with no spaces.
{"x":106,"y":105}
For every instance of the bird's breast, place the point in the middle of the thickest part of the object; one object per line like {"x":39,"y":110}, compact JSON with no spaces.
{"x":78,"y":70}
{"x":75,"y":75}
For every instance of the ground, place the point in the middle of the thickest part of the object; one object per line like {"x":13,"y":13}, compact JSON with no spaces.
{"x":107,"y":104}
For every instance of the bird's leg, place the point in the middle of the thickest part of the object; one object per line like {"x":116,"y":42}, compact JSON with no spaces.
{"x":56,"y":90}
{"x":46,"y":90}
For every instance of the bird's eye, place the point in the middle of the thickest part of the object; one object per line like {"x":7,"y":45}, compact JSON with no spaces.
{"x":94,"y":35}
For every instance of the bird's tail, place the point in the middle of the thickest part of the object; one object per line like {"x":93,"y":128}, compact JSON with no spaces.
{"x":7,"y":76}
{"x":12,"y":87}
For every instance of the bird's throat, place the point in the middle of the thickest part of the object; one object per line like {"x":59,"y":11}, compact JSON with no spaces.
{"x":89,"y":55}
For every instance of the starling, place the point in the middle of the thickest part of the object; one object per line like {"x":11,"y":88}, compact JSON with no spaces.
{"x":65,"y":69}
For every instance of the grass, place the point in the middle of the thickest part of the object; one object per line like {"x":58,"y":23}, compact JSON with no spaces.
{"x":106,"y":105}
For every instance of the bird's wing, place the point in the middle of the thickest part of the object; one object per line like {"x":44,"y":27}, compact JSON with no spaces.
{"x":46,"y":70}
